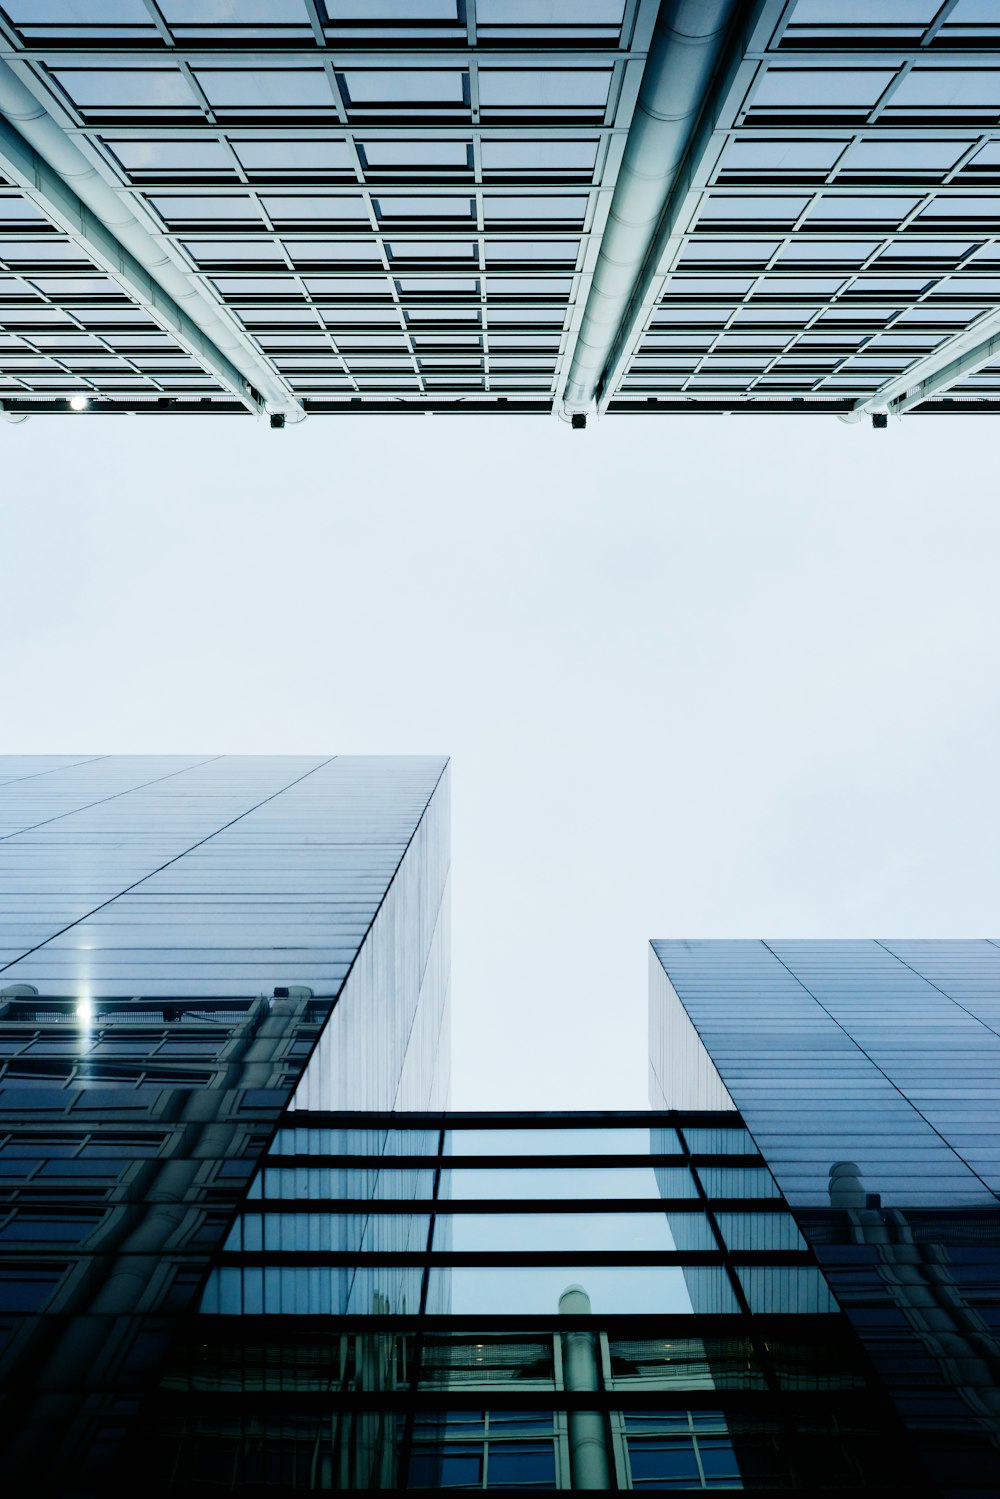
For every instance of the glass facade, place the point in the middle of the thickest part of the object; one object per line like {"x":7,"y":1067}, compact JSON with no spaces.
{"x":243,"y":1247}
{"x":866,"y":1073}
{"x":191,"y":948}
{"x":419,"y":205}
{"x":424,"y":1301}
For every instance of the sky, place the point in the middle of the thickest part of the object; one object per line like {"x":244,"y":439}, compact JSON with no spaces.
{"x":698,"y":676}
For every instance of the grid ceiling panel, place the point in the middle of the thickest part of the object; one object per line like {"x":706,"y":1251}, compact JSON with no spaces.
{"x":67,"y":329}
{"x":389,"y":199}
{"x":403,"y":201}
{"x":843,"y":222}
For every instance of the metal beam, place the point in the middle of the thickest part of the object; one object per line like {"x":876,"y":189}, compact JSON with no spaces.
{"x":967,"y":352}
{"x":687,"y":45}
{"x":37,"y":155}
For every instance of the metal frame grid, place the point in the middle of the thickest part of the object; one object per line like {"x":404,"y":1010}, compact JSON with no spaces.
{"x":400,"y":206}
{"x":385,"y":1397}
{"x":391,"y":212}
{"x":835,"y":244}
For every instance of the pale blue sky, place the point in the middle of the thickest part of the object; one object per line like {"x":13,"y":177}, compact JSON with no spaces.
{"x":698,"y":676}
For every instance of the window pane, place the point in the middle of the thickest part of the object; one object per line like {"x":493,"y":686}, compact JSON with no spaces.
{"x":508,"y":1142}
{"x":143,"y":88}
{"x":293,"y":156}
{"x":502,"y":1290}
{"x":274,"y":87}
{"x":414,"y":86}
{"x":544,"y":89}
{"x":566,"y":1232}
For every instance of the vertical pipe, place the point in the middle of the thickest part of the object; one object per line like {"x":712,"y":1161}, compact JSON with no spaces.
{"x":588,"y":1434}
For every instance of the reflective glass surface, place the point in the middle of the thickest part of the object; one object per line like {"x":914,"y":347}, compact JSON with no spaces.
{"x":160,"y":918}
{"x":513,"y":1322}
{"x":866,"y":1071}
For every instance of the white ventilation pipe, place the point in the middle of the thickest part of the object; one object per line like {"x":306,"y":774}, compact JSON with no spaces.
{"x":33,"y":123}
{"x":589,"y":1464}
{"x":684,"y":54}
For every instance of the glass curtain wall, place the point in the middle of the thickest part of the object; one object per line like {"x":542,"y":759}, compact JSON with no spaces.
{"x":867,"y":1073}
{"x":490,"y":1301}
{"x":184,"y":943}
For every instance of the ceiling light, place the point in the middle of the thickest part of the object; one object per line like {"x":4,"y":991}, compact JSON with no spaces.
{"x":79,"y":403}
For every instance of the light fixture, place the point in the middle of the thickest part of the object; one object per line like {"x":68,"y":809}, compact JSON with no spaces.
{"x":79,"y":403}
{"x":85,"y":1011}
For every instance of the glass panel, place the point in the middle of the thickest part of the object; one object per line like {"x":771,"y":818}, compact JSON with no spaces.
{"x":137,"y":88}
{"x":543,"y":88}
{"x":425,"y":208}
{"x":414,"y":86}
{"x":738,"y":1181}
{"x":233,"y":12}
{"x":759,"y":1231}
{"x":719,"y":1141}
{"x":286,"y":209}
{"x":76,"y":12}
{"x":568,"y":1182}
{"x":173,"y":156}
{"x":550,"y":12}
{"x":538,"y":156}
{"x":515,"y":1141}
{"x":786,"y":1288}
{"x":944,"y":87}
{"x":813,"y":88}
{"x":501,"y":1290}
{"x":294,"y":156}
{"x":764,"y":156}
{"x":569,"y":1232}
{"x":417,"y":153}
{"x":391,"y":10}
{"x":278,"y":88}
{"x":234,"y":207}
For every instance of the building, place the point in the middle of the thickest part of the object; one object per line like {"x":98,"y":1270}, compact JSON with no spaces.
{"x":244,"y":1246}
{"x":190,"y":946}
{"x":591,"y":206}
{"x":438,"y":1301}
{"x":867,"y":1074}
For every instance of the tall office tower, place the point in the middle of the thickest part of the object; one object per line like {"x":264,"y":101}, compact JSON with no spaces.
{"x":867,"y":1074}
{"x":437,"y":1301}
{"x":584,"y":206}
{"x":191,"y":946}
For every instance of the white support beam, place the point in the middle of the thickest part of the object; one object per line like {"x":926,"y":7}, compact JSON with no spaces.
{"x":40,"y":158}
{"x":967,"y":352}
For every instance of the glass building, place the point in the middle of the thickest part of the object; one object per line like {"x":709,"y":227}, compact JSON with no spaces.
{"x":517,"y":1302}
{"x":612,"y":206}
{"x":867,"y":1075}
{"x":191,"y":946}
{"x":245,"y":1248}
